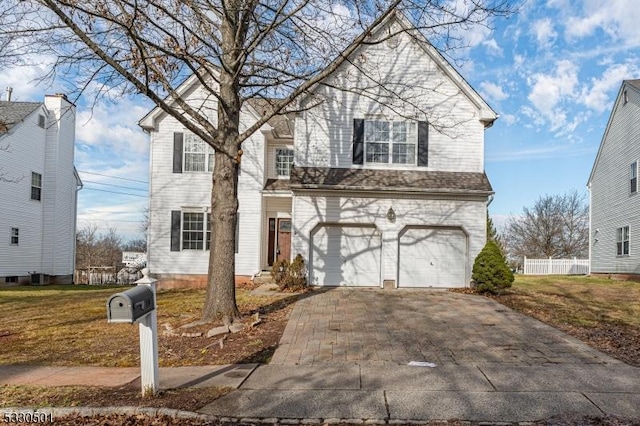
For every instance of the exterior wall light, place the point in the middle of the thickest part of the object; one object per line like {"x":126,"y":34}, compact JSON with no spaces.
{"x":391,"y":215}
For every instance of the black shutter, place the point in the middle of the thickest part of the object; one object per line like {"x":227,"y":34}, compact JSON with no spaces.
{"x":177,"y":152}
{"x":358,"y":141}
{"x":175,"y":229}
{"x":423,"y":143}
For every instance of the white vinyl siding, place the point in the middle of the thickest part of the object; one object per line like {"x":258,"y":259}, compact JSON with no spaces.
{"x":47,"y":227}
{"x":192,"y":191}
{"x":324,"y":134}
{"x":611,"y":205}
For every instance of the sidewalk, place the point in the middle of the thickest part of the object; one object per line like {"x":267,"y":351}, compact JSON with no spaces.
{"x":491,"y":392}
{"x":170,"y":377}
{"x":382,"y":394}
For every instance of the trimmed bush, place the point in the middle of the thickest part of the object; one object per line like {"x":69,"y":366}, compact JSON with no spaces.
{"x":490,"y":270}
{"x":290,"y":276}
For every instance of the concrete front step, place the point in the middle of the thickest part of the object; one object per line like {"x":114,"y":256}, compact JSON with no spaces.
{"x":264,"y":278}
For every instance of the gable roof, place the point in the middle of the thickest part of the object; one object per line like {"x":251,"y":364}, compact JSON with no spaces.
{"x":633,"y":85}
{"x":12,"y":113}
{"x":280,"y":122}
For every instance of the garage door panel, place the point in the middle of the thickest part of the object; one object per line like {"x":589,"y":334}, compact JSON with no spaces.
{"x":432,"y":257}
{"x":346,"y":255}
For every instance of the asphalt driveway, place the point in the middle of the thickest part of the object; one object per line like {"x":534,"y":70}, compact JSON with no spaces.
{"x":395,"y":327}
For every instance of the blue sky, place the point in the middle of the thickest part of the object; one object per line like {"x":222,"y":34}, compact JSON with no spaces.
{"x":552,"y":72}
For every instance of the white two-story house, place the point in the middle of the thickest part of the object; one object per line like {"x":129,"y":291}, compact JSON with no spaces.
{"x":369,"y":189}
{"x":38,"y":191}
{"x":613,"y":189}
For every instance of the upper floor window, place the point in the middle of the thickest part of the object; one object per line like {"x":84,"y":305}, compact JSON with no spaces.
{"x":284,"y":161}
{"x":41,"y":121}
{"x":622,"y":241}
{"x":390,"y":141}
{"x":36,"y":186}
{"x":15,"y":236}
{"x":633,"y":177}
{"x":198,"y":156}
{"x":625,"y":97}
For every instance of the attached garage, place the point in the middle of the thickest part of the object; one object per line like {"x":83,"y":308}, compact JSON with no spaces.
{"x":432,"y":257}
{"x":345,"y":255}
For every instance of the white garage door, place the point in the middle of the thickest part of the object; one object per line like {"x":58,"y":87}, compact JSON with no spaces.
{"x":346,"y":256}
{"x":432,"y":257}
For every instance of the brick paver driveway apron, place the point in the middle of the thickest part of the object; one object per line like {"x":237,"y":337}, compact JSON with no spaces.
{"x":375,"y":326}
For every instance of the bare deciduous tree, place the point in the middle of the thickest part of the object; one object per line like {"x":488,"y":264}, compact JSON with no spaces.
{"x":238,"y":50}
{"x":556,"y":226}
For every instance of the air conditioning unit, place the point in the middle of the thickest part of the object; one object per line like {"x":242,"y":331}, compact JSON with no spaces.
{"x":40,"y":279}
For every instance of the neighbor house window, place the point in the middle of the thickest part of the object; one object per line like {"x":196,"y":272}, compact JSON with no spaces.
{"x":41,"y":120}
{"x":198,"y":156}
{"x":625,"y":97}
{"x":622,"y":241}
{"x":633,"y":176}
{"x":284,"y":161}
{"x":36,"y":186}
{"x":15,"y":236}
{"x":390,"y":141}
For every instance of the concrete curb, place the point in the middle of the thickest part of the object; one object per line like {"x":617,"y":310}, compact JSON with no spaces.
{"x":57,"y":412}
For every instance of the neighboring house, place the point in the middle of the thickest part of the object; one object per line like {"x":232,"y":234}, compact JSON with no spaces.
{"x":38,"y":191}
{"x":614,"y":246}
{"x":366,"y":195}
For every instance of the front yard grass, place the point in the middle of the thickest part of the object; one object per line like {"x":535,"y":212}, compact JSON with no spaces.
{"x":601,"y":312}
{"x":67,"y":325}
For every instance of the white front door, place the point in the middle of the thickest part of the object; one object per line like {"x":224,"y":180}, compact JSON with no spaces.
{"x":346,"y":255}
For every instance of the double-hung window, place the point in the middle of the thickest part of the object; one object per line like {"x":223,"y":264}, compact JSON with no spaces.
{"x":633,"y":177}
{"x":284,"y":161}
{"x":195,"y":154}
{"x":390,"y":141}
{"x":622,"y":241}
{"x":15,"y":236}
{"x":36,"y":186}
{"x":193,"y":231}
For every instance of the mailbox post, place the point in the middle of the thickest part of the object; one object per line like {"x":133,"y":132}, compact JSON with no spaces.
{"x":138,"y":304}
{"x":149,"y":374}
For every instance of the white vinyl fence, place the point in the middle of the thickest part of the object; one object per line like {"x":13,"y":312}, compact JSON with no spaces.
{"x":556,"y":266}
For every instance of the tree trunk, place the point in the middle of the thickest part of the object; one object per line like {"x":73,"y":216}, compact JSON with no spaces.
{"x":220,"y":302}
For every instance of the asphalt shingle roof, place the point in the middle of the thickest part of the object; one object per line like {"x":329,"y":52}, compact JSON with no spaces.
{"x":390,"y":180}
{"x":12,"y":113}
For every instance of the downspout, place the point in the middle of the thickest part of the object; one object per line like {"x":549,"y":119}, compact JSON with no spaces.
{"x":79,"y":186}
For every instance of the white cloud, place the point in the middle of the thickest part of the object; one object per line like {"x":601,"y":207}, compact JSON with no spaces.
{"x":597,"y":95}
{"x":619,"y":19}
{"x":24,"y":80}
{"x":492,"y":47}
{"x":555,"y":151}
{"x":509,"y":118}
{"x":492,"y":91}
{"x":550,"y":91}
{"x":544,"y":32}
{"x":113,"y":126}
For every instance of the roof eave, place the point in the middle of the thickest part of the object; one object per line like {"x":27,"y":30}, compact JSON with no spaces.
{"x":427,"y":191}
